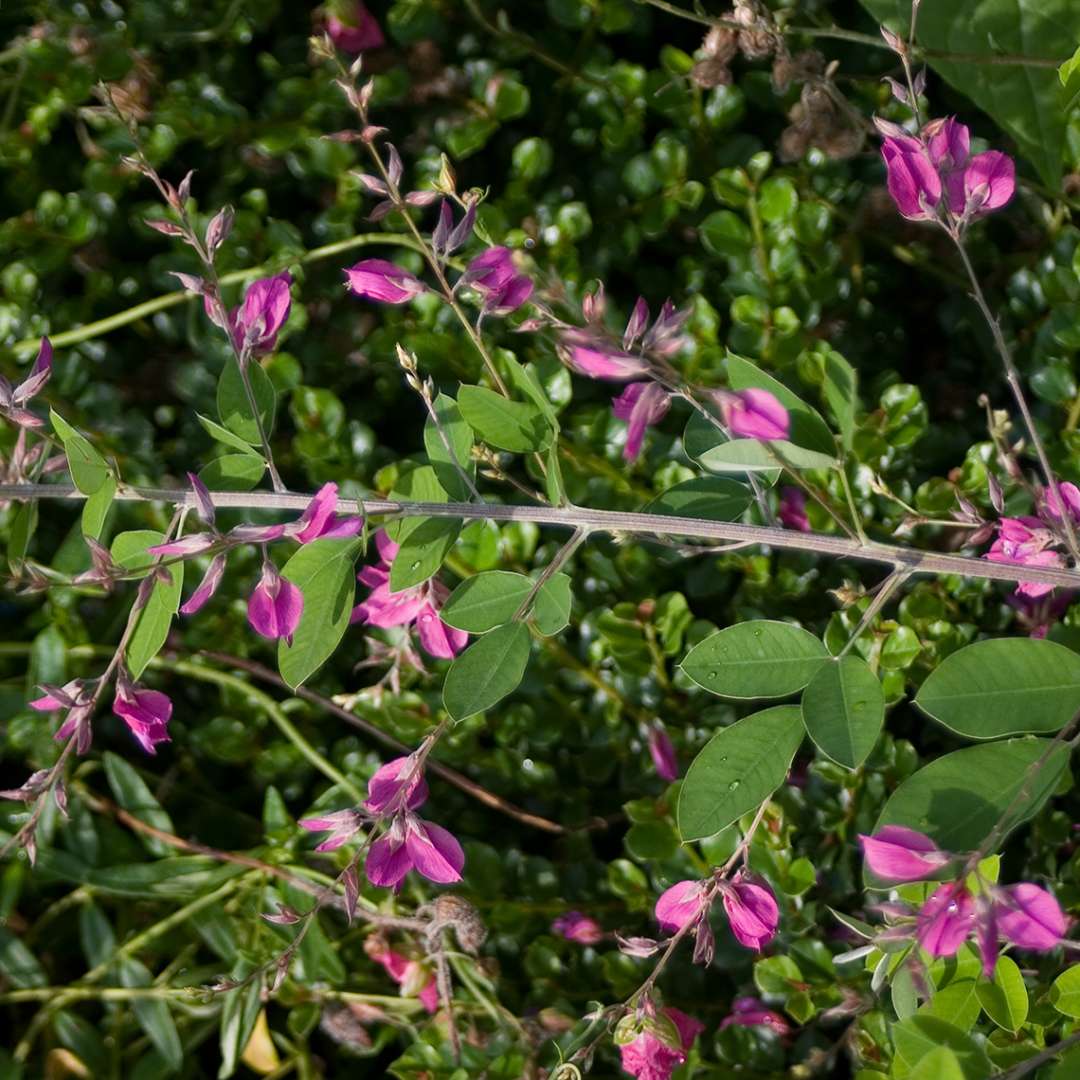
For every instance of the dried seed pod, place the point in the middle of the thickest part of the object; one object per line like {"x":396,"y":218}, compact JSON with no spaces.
{"x":720,"y":43}
{"x":709,"y":73}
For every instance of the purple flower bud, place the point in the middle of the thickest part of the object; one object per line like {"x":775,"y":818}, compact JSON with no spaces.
{"x":635,"y":325}
{"x":752,"y":912}
{"x":946,"y":920}
{"x":207,"y":587}
{"x":397,"y":785}
{"x":342,"y":825}
{"x":39,"y":375}
{"x":641,"y":404}
{"x":493,"y":274}
{"x":275,"y":607}
{"x":681,"y":905}
{"x":599,"y":359}
{"x":750,"y":1012}
{"x":187,"y":546}
{"x":913,"y":181}
{"x":574,"y":926}
{"x":793,"y":509}
{"x":356,"y":32}
{"x":377,"y":279}
{"x":146,"y":713}
{"x":662,"y":751}
{"x":256,"y":323}
{"x":895,"y":853}
{"x":989,"y":182}
{"x":754,"y":414}
{"x":217,"y":232}
{"x":319,"y":521}
{"x":1029,"y":917}
{"x":203,"y":500}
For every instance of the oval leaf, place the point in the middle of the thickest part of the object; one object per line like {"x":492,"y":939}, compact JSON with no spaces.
{"x":737,"y":769}
{"x":489,"y":599}
{"x":759,"y":659}
{"x":487,"y":671}
{"x":1007,"y":686}
{"x":713,"y":498}
{"x":422,"y":551}
{"x":1005,"y":999}
{"x":509,"y":425}
{"x":233,"y":406}
{"x":843,"y":708}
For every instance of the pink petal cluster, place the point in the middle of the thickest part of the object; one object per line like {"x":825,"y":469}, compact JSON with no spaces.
{"x":417,"y":606}
{"x":414,"y":979}
{"x":493,"y":274}
{"x":1025,"y":541}
{"x":78,"y":700}
{"x":386,"y":282}
{"x":754,"y":414}
{"x":1024,"y":914}
{"x":792,"y":511}
{"x":342,"y":825}
{"x":751,"y":1012}
{"x":354,"y":31}
{"x":592,"y":355}
{"x":275,"y":607}
{"x":650,"y":1058}
{"x":921,"y":171}
{"x":410,"y":843}
{"x":662,"y":752}
{"x":146,"y":713}
{"x":13,"y":400}
{"x":255,"y":324}
{"x":574,"y":926}
{"x":751,"y":908}
{"x":399,"y":784}
{"x":641,"y":404}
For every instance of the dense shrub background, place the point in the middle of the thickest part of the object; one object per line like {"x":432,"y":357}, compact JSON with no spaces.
{"x":602,"y":160}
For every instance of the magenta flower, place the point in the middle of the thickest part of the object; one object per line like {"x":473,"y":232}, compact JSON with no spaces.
{"x":912,"y":180}
{"x":641,"y":404}
{"x":649,"y":1057}
{"x":662,"y":752}
{"x":1038,"y":614}
{"x":1025,"y":542}
{"x":414,"y":844}
{"x":948,"y":144}
{"x":377,"y":279}
{"x":493,"y":275}
{"x":79,"y":703}
{"x":319,"y":520}
{"x":206,"y":588}
{"x":1029,"y":917}
{"x":754,"y":414}
{"x":793,"y":509}
{"x":414,"y":979}
{"x":342,"y":825}
{"x":989,"y":183}
{"x":265,"y":310}
{"x":1065,"y":498}
{"x":146,"y":713}
{"x":574,"y":926}
{"x":896,"y":853}
{"x":397,"y":785}
{"x":417,"y":606}
{"x":13,"y":400}
{"x":275,"y":607}
{"x":599,"y":359}
{"x":682,"y":904}
{"x":751,"y":1012}
{"x":946,"y":920}
{"x":354,"y":31}
{"x":752,"y":912}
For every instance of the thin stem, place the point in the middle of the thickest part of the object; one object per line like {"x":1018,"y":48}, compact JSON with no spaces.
{"x":612,"y":522}
{"x":885,"y":590}
{"x":1013,"y":378}
{"x":562,"y":556}
{"x":855,"y":519}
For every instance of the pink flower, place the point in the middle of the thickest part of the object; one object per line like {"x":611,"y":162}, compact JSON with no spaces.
{"x":898,"y":854}
{"x":641,"y":404}
{"x":354,"y":32}
{"x":598,"y":359}
{"x":793,"y":509}
{"x":320,"y":522}
{"x":750,"y":1012}
{"x":414,"y":979}
{"x":413,"y":844}
{"x":662,"y":751}
{"x":682,"y":904}
{"x":912,"y":180}
{"x":377,"y":279}
{"x":207,"y":587}
{"x":989,"y":182}
{"x":946,"y":920}
{"x":948,"y":144}
{"x":493,"y":275}
{"x":342,"y":825}
{"x":388,"y":787}
{"x":146,"y":713}
{"x":1066,"y":496}
{"x":650,"y":1058}
{"x":14,"y":399}
{"x":1038,"y":614}
{"x":1029,"y":917}
{"x":574,"y":926}
{"x":417,"y":606}
{"x":187,"y":546}
{"x":275,"y":606}
{"x":79,"y":702}
{"x":1024,"y":542}
{"x":265,"y":310}
{"x":752,"y":912}
{"x":754,"y":414}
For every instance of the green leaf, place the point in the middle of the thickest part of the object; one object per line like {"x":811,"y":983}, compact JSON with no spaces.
{"x":725,"y":233}
{"x":152,"y":628}
{"x":1004,"y":686}
{"x":958,"y":799}
{"x":922,"y":1035}
{"x":415,"y":485}
{"x":508,"y":425}
{"x":88,"y":468}
{"x":488,"y":670}
{"x":808,"y":430}
{"x":422,"y":552}
{"x":737,"y":769}
{"x":239,"y":1012}
{"x":1022,"y":98}
{"x":841,"y":392}
{"x":758,"y":659}
{"x":492,"y":598}
{"x":96,"y":508}
{"x":1069,"y":77}
{"x":843,"y":708}
{"x":233,"y":406}
{"x":939,"y":1064}
{"x":712,"y":498}
{"x":777,"y":975}
{"x":1006,"y":998}
{"x":223,"y":434}
{"x":460,"y":437}
{"x":24,"y":519}
{"x":323,"y":572}
{"x":233,"y":472}
{"x":958,"y":1003}
{"x":18,"y":964}
{"x":1065,"y":992}
{"x":153,"y":1014}
{"x":130,"y":791}
{"x":752,"y":455}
